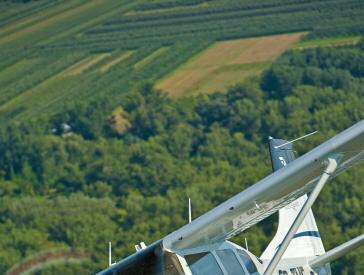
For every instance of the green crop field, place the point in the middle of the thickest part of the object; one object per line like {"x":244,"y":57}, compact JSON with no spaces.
{"x":55,"y":53}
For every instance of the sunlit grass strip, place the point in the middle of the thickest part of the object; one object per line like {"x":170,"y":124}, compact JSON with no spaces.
{"x":227,"y":76}
{"x":41,"y":15}
{"x":181,"y":8}
{"x":115,"y":61}
{"x":66,"y":15}
{"x":328,"y":42}
{"x":150,"y":57}
{"x":84,"y":64}
{"x":44,"y":259}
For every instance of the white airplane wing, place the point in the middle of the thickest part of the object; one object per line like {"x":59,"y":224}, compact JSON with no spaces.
{"x":270,"y":194}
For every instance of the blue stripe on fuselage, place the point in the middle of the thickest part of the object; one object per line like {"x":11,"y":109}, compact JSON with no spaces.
{"x":305,"y":234}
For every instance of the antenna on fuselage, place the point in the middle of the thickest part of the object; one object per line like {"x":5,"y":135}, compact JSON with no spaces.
{"x":294,"y":140}
{"x":189,"y":211}
{"x":110,"y":260}
{"x":246,"y":245}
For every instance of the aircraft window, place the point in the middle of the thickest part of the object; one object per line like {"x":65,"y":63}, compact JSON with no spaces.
{"x":203,"y":264}
{"x":250,"y":266}
{"x":230,"y":262}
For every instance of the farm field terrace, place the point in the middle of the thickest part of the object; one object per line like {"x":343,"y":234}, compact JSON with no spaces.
{"x":91,"y":152}
{"x":226,"y":63}
{"x":57,"y":54}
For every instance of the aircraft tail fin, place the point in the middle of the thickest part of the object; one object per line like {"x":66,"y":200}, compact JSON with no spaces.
{"x":281,"y":153}
{"x":307,"y":241}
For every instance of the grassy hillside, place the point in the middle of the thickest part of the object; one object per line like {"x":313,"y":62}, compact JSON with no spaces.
{"x":49,"y":40}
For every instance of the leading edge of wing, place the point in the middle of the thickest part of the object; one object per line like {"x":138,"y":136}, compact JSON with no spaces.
{"x":269,"y":194}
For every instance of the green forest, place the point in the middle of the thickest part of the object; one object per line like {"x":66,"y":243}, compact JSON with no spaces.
{"x":92,"y":152}
{"x":92,"y":185}
{"x":40,"y":40}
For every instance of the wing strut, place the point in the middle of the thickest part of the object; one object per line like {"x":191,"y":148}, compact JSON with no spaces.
{"x":337,"y":252}
{"x":330,"y":168}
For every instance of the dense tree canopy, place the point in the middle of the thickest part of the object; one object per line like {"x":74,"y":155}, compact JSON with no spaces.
{"x":93,"y":185}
